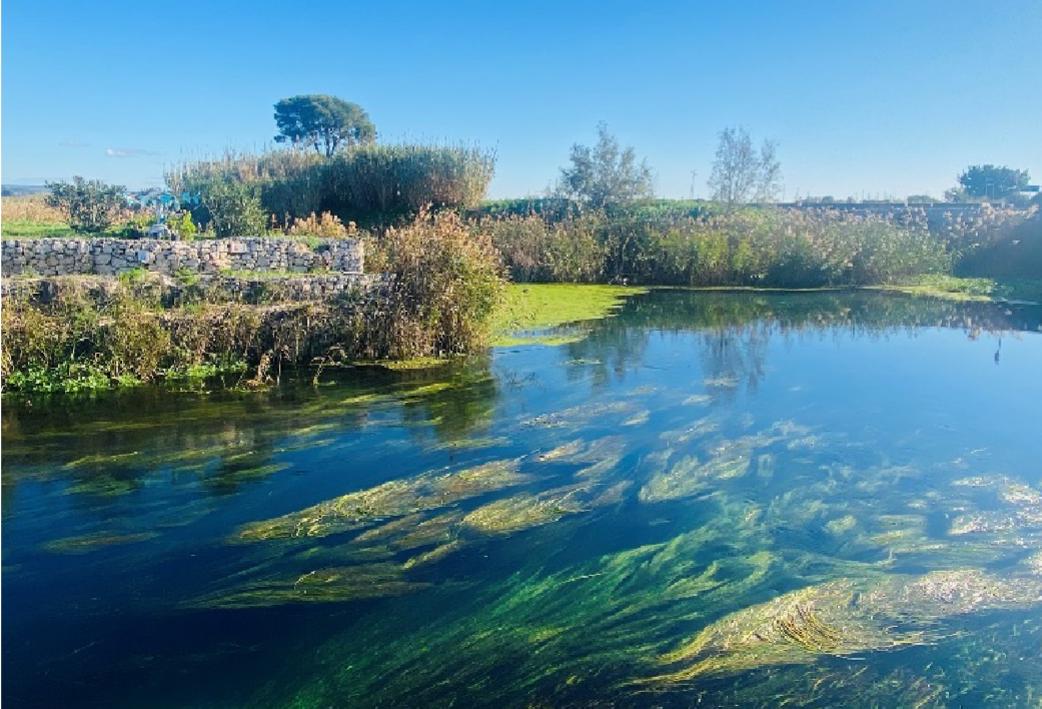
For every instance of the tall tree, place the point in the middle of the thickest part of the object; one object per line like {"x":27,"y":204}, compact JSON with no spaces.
{"x":605,"y":173}
{"x":740,"y":173}
{"x":322,"y":122}
{"x":992,"y":181}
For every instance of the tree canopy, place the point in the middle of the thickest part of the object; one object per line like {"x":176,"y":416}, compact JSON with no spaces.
{"x":740,"y":173}
{"x":992,"y":181}
{"x":605,"y":173}
{"x":323,"y":122}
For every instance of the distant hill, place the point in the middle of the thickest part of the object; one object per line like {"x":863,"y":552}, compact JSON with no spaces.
{"x":20,"y":190}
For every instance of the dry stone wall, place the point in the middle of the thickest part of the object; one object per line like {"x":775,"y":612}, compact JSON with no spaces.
{"x":108,"y":257}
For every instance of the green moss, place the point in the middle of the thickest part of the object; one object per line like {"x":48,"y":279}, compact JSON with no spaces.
{"x":405,"y":365}
{"x":967,"y":289}
{"x":539,"y":306}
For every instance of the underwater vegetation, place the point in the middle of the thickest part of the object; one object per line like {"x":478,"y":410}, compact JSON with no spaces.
{"x":390,"y":499}
{"x":843,"y":617}
{"x":321,"y":585}
{"x":692,"y":506}
{"x":86,"y":543}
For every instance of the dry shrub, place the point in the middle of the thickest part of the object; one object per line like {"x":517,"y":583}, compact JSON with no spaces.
{"x":442,"y":283}
{"x":536,"y":250}
{"x":326,"y":225}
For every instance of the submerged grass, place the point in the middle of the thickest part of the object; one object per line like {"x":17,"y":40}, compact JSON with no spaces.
{"x":391,"y":499}
{"x":844,"y":617}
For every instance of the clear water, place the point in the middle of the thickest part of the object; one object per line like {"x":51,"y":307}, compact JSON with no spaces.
{"x":876,"y":458}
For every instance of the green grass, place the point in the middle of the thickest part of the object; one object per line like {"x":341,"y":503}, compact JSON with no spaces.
{"x":25,"y":229}
{"x":535,"y":306}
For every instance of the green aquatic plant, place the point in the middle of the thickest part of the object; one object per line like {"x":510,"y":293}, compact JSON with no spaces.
{"x":327,"y":585}
{"x":638,"y":419}
{"x":101,"y":459}
{"x":564,"y":450}
{"x":574,"y":417}
{"x":843,"y":617}
{"x":434,"y":555}
{"x":552,"y":636}
{"x":538,"y":307}
{"x":391,"y":499}
{"x":689,"y":476}
{"x":513,"y":514}
{"x":87,"y":543}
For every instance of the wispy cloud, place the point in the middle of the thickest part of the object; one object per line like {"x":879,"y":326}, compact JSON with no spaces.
{"x":69,"y":143}
{"x":128,"y":152}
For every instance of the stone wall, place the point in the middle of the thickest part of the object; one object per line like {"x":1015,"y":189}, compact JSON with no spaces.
{"x":170,"y":292}
{"x":107,"y":257}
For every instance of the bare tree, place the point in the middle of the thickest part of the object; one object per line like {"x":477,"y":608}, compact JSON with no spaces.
{"x":768,"y":183}
{"x":740,"y":173}
{"x":605,"y":173}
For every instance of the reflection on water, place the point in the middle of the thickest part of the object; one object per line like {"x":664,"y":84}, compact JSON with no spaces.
{"x":725,"y":498}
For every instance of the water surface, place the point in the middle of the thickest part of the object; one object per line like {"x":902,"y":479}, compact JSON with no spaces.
{"x":725,"y":498}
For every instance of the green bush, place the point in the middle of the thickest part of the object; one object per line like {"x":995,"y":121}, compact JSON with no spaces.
{"x":371,"y":185}
{"x":744,"y":247}
{"x":88,"y":205}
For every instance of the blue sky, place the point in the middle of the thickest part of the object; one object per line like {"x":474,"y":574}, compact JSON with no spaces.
{"x":863,"y":98}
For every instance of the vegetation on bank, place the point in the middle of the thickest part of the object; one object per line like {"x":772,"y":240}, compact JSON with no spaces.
{"x":370,"y":184}
{"x":440,"y":289}
{"x":750,"y":247}
{"x":444,"y":255}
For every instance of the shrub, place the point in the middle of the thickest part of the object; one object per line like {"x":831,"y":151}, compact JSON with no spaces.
{"x":233,"y":207}
{"x":326,"y":225}
{"x":743,"y":247}
{"x":535,"y":250}
{"x":88,"y":205}
{"x":367,"y":184}
{"x":181,"y":224}
{"x":443,"y":283}
{"x":378,"y":183}
{"x":551,"y":209}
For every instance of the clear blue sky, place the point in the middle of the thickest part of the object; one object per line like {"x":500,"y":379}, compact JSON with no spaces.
{"x":891,"y":96}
